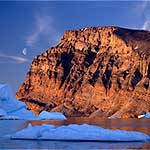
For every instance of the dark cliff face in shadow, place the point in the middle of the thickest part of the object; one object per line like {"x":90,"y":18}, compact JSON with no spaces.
{"x":97,"y":71}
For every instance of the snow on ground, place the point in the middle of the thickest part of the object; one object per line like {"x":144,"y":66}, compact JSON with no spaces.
{"x":10,"y":108}
{"x":44,"y":115}
{"x":76,"y":132}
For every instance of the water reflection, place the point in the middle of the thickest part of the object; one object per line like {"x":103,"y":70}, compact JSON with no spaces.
{"x":57,"y":145}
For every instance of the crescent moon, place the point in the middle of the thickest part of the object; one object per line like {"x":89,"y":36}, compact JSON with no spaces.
{"x":24,"y":51}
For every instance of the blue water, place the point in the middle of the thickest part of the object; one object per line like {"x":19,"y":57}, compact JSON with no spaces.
{"x":56,"y":145}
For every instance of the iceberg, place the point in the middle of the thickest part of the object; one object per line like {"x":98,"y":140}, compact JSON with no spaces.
{"x":2,"y":113}
{"x":44,"y":115}
{"x":10,"y":108}
{"x":7,"y":102}
{"x":13,"y":108}
{"x":74,"y":132}
{"x":5,"y":92}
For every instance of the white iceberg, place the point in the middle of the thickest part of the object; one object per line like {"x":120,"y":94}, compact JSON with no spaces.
{"x":14,"y":109}
{"x":44,"y":115}
{"x":7,"y":102}
{"x":10,"y":108}
{"x":76,"y":132}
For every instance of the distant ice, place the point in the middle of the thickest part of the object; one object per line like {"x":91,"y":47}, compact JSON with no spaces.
{"x":44,"y":115}
{"x":76,"y":132}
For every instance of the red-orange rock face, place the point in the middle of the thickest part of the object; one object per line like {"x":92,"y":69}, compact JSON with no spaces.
{"x":99,"y":71}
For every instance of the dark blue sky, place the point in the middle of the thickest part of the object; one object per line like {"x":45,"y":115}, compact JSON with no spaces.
{"x":29,"y":28}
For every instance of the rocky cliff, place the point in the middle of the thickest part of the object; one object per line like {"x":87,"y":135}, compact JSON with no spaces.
{"x":97,"y":71}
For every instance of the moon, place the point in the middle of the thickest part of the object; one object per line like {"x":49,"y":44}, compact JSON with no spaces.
{"x":24,"y":51}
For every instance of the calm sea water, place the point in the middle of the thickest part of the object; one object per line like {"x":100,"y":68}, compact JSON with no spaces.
{"x":11,"y":126}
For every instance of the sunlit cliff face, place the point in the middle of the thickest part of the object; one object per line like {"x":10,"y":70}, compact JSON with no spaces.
{"x":97,"y":71}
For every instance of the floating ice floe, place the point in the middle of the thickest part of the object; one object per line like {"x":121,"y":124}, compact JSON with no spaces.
{"x":76,"y":132}
{"x":44,"y":115}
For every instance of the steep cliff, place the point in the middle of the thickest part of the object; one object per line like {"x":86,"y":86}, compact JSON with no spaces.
{"x":97,"y":71}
